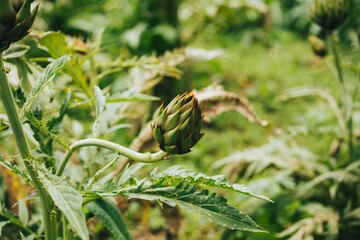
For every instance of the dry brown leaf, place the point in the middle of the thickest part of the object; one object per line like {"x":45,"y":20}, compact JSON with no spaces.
{"x":15,"y":188}
{"x":215,"y":100}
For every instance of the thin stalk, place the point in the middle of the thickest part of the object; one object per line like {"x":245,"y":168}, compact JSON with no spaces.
{"x":344,"y":94}
{"x":139,"y":157}
{"x":351,"y":136}
{"x":18,"y":132}
{"x":337,"y":58}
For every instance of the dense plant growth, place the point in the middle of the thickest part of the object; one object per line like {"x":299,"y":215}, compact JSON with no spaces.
{"x":89,"y":152}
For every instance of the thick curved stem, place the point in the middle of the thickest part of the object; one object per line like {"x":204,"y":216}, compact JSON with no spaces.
{"x":139,"y":157}
{"x":18,"y":132}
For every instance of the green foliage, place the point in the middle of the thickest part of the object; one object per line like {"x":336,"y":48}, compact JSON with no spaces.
{"x":208,"y":205}
{"x":176,"y":175}
{"x":99,"y":106}
{"x":111,"y":217}
{"x":176,"y":187}
{"x":67,"y":199}
{"x":304,"y":156}
{"x":46,"y":77}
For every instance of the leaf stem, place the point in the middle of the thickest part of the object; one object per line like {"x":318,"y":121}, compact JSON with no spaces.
{"x":337,"y":58}
{"x":65,"y":232}
{"x":139,"y":157}
{"x":90,"y":199}
{"x":18,"y":132}
{"x":344,"y":98}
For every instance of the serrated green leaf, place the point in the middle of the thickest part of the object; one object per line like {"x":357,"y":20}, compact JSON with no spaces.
{"x":99,"y":106}
{"x":100,"y":171}
{"x":39,"y":126}
{"x":176,"y":174}
{"x":213,"y":208}
{"x":127,"y":173}
{"x":111,"y":218}
{"x":46,"y":77}
{"x":67,"y":199}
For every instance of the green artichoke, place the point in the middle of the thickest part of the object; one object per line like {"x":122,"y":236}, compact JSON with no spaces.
{"x":177,"y":127}
{"x":330,"y":14}
{"x":318,"y":46}
{"x":16,"y":18}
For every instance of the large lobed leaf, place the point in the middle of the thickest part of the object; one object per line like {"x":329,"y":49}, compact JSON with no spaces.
{"x":67,"y":199}
{"x":208,"y":205}
{"x":176,"y":174}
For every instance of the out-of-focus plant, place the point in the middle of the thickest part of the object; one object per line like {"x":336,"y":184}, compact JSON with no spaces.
{"x":317,"y":194}
{"x":330,"y":14}
{"x":68,"y":198}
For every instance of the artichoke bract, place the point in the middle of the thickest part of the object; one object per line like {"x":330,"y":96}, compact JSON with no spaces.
{"x":177,"y":127}
{"x":16,"y":18}
{"x":330,"y":14}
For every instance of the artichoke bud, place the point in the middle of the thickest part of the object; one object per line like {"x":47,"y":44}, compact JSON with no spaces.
{"x":318,"y":46}
{"x":177,"y":127}
{"x":330,"y":14}
{"x":16,"y":18}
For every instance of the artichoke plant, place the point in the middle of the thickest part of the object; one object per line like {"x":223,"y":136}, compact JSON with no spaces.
{"x":177,"y":127}
{"x":16,"y":18}
{"x":330,"y":14}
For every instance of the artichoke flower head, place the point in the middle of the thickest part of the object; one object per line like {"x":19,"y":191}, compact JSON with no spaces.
{"x":177,"y":127}
{"x":16,"y":18}
{"x":330,"y":14}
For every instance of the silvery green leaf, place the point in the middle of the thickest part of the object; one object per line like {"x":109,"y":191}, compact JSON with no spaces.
{"x":100,"y":105}
{"x":45,"y":78}
{"x":67,"y":199}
